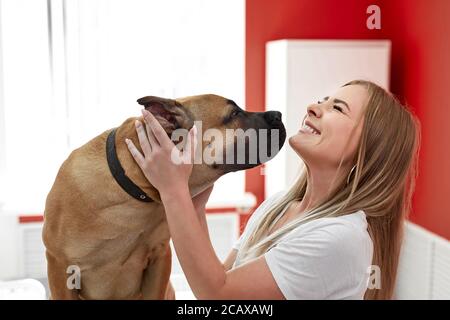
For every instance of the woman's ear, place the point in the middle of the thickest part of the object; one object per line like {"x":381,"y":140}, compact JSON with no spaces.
{"x":168,"y":112}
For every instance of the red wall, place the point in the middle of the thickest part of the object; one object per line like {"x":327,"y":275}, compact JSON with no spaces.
{"x":420,"y":74}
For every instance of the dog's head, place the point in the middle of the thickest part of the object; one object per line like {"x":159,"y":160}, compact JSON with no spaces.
{"x":230,"y":138}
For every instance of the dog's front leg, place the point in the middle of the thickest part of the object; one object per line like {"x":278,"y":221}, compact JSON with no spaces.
{"x":156,"y":277}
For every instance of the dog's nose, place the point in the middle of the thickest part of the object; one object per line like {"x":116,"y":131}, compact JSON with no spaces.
{"x":272,"y":116}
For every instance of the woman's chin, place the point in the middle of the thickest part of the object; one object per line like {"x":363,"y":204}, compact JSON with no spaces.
{"x":302,"y":149}
{"x":296,"y":144}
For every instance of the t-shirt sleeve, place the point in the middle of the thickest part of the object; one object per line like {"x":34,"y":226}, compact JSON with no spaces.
{"x":254,"y":218}
{"x":320,"y":264}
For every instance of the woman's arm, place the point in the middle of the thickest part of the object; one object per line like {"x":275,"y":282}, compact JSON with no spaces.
{"x":194,"y":250}
{"x":205,"y":273}
{"x":202,"y":219}
{"x":199,"y":202}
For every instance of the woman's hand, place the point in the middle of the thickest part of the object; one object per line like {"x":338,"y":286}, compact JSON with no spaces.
{"x":163,"y":164}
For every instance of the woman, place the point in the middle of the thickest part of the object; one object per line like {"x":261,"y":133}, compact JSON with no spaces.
{"x":340,"y":221}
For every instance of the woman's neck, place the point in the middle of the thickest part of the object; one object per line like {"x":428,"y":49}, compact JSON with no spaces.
{"x":320,"y":183}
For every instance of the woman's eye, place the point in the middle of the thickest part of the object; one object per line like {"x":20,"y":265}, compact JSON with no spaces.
{"x":339,"y":108}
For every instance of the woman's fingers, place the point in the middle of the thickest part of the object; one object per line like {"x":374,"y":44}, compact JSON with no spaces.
{"x":142,"y":136}
{"x":151,"y":136}
{"x":138,"y":157}
{"x":158,"y":131}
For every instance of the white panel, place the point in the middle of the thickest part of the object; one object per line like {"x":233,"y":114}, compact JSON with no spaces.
{"x":33,"y":260}
{"x":244,"y":202}
{"x":33,"y":250}
{"x":2,"y":123}
{"x":415,"y":266}
{"x":224,"y":231}
{"x":441,"y":270}
{"x":9,"y":251}
{"x":300,"y":72}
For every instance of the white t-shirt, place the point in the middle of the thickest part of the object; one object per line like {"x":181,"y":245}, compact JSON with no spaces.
{"x":327,"y":258}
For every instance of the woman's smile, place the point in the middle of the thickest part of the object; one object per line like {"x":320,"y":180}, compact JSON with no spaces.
{"x":308,"y":128}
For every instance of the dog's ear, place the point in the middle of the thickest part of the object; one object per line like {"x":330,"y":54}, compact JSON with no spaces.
{"x":170,"y":114}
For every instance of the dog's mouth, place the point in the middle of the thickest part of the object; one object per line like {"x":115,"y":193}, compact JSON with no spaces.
{"x":250,"y":150}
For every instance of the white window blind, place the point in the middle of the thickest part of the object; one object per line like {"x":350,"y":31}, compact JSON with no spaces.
{"x":72,"y":69}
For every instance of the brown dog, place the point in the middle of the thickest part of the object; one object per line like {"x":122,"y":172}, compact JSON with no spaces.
{"x":101,"y":242}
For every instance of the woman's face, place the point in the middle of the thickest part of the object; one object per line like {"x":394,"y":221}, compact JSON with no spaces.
{"x":337,"y":128}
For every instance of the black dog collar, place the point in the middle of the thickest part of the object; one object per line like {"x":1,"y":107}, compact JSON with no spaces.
{"x":119,"y":174}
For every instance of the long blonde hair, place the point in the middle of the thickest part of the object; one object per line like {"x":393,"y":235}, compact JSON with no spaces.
{"x":382,"y":186}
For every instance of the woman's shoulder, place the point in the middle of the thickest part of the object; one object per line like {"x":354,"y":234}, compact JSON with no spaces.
{"x":271,"y":200}
{"x":265,"y":205}
{"x":349,"y":228}
{"x":355,"y":220}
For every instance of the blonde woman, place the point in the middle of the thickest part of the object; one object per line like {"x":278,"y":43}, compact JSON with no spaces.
{"x":341,"y":219}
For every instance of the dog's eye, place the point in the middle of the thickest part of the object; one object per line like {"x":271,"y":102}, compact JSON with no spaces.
{"x":235,"y":113}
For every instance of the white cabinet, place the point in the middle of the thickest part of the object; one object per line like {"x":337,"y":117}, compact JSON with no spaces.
{"x":300,"y":72}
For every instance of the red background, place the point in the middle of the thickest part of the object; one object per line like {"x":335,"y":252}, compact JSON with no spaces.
{"x":420,"y":75}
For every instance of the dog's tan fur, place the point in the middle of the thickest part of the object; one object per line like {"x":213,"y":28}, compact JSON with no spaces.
{"x":120,"y":244}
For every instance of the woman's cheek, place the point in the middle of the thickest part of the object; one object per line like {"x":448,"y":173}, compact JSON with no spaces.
{"x":342,"y":144}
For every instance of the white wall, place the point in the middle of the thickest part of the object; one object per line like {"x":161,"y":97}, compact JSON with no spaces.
{"x":301,"y":72}
{"x":69,"y":80}
{"x":424,"y":267}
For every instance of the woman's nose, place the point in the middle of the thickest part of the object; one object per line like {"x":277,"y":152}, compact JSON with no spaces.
{"x":314,"y":110}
